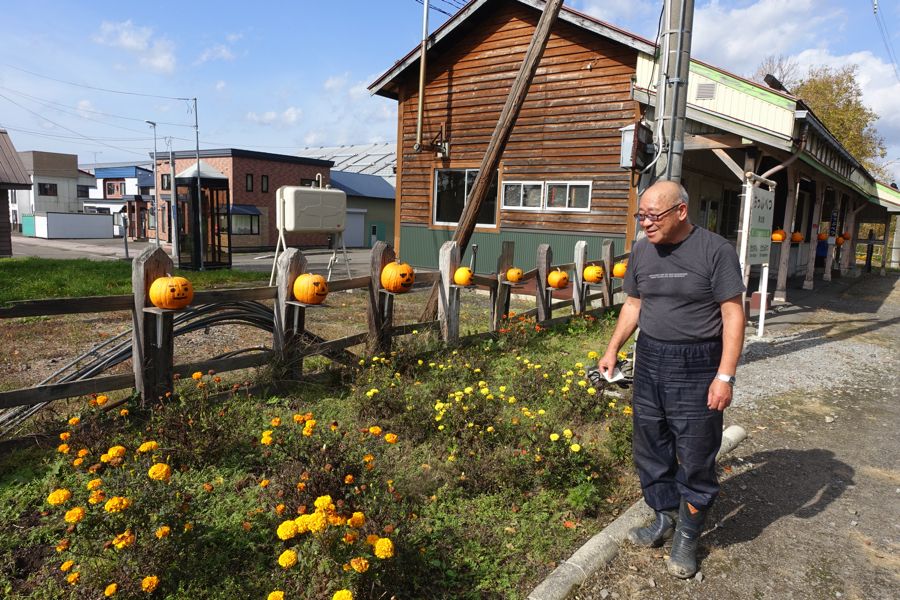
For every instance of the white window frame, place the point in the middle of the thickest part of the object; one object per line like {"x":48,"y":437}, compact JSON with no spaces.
{"x":434,"y":205}
{"x":568,"y":184}
{"x":502,"y":185}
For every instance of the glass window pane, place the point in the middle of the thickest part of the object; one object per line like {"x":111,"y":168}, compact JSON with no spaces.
{"x":450,"y":190}
{"x":531,"y":195}
{"x":487,"y":213}
{"x":512,"y":194}
{"x":578,"y":196}
{"x":556,"y":195}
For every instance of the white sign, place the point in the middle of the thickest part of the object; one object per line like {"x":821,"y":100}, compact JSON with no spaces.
{"x":762,"y":203}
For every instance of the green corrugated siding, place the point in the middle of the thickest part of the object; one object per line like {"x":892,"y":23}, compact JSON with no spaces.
{"x":419,"y":246}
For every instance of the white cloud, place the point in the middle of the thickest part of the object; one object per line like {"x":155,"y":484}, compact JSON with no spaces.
{"x":154,"y":54}
{"x":84,"y":108}
{"x":335,"y":83}
{"x":220,"y":85}
{"x":288,"y":116}
{"x":217,"y":52}
{"x":348,"y":114}
{"x":291,"y":115}
{"x":618,"y":11}
{"x":233,"y":37}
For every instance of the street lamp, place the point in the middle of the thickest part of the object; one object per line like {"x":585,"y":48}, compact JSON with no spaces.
{"x":155,"y":186}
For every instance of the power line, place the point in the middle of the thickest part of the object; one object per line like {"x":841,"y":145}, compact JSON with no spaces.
{"x":91,"y":87}
{"x":435,"y":8}
{"x":886,"y":38}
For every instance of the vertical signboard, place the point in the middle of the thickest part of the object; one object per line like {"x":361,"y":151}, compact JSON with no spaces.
{"x":762,"y":203}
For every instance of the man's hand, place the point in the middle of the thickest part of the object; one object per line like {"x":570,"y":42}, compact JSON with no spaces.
{"x":607,"y":362}
{"x":719,"y":395}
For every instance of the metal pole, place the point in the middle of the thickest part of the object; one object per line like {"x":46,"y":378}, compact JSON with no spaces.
{"x":199,"y":232}
{"x":763,"y":291}
{"x":418,"y":146}
{"x":155,"y":186}
{"x":671,"y":101}
{"x":173,"y":232}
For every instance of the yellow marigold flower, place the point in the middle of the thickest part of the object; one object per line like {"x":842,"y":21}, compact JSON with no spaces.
{"x":302,"y":523}
{"x":554,"y":437}
{"x":342,"y":595}
{"x":123,"y":540}
{"x":123,"y":413}
{"x":75,"y":515}
{"x":63,"y":448}
{"x":264,"y":483}
{"x":324,"y":503}
{"x":83,"y":452}
{"x":348,"y":479}
{"x":490,"y":429}
{"x":384,"y":548}
{"x":163,"y":531}
{"x":318,"y":522}
{"x":94,"y":484}
{"x":73,"y":577}
{"x":196,"y":375}
{"x":66,"y":565}
{"x":276,"y":595}
{"x":77,"y":462}
{"x":368,"y":458}
{"x":276,"y":421}
{"x":627,"y":411}
{"x":149,"y":583}
{"x":357,"y":520}
{"x":105,"y":458}
{"x":375,"y":430}
{"x":117,"y":451}
{"x":287,"y":559}
{"x":101,"y":399}
{"x":299,"y":419}
{"x":592,"y":355}
{"x":64,"y":436}
{"x":391,"y":438}
{"x":160,"y":472}
{"x":111,"y":590}
{"x":96,"y":497}
{"x":63,"y":545}
{"x":74,"y":421}
{"x":372,"y":539}
{"x":148,"y":446}
{"x":117,"y":504}
{"x":266,"y":440}
{"x":359,"y":564}
{"x":287,"y":530}
{"x":309,"y":427}
{"x":568,"y":434}
{"x":59,"y":496}
{"x":575,"y":448}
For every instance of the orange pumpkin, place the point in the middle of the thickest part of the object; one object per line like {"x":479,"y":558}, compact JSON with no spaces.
{"x":397,"y":277}
{"x":839,"y":241}
{"x":593,"y":273}
{"x":796,"y":237}
{"x":846,"y":235}
{"x":171,"y":292}
{"x":558,"y":279}
{"x":822,"y":236}
{"x":310,"y":288}
{"x":463,"y":276}
{"x":620,"y":268}
{"x":514,"y":274}
{"x":778,"y":235}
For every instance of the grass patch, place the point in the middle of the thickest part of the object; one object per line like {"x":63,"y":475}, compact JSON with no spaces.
{"x":428,"y":473}
{"x":32,"y":278}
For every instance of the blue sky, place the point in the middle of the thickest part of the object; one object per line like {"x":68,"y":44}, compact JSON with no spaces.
{"x":280,"y":76}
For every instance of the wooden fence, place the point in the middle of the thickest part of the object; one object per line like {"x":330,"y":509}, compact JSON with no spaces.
{"x":153,"y":330}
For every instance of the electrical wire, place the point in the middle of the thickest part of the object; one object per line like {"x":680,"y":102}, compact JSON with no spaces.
{"x":885,"y":37}
{"x":91,"y":87}
{"x":435,"y":8}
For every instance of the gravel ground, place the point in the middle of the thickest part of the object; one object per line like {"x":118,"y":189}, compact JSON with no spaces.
{"x":810,"y":502}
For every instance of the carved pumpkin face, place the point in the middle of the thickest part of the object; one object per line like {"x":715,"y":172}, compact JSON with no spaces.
{"x":593,"y":273}
{"x":310,"y":288}
{"x":397,"y":277}
{"x":796,"y":237}
{"x":463,"y":276}
{"x":171,"y":292}
{"x":619,"y":269}
{"x":514,"y":274}
{"x":558,"y":279}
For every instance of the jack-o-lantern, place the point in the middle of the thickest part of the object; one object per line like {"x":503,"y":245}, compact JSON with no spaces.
{"x":514,"y":274}
{"x":822,"y":236}
{"x":463,"y":276}
{"x":620,"y":268}
{"x":397,"y":277}
{"x":310,"y":288}
{"x":778,"y":235}
{"x":839,"y":241}
{"x":593,"y":273}
{"x":796,"y":237}
{"x":558,"y":279}
{"x":171,"y":292}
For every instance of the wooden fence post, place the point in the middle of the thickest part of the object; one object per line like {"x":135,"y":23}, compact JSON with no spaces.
{"x":380,"y":313}
{"x":448,"y":305}
{"x":289,"y":324}
{"x":152,"y":340}
{"x":606,"y":255}
{"x":541,"y":293}
{"x":578,"y":291}
{"x":500,"y":294}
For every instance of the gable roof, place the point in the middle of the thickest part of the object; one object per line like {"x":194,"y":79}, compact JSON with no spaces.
{"x":360,"y":184}
{"x":383,"y":85}
{"x":372,"y":159}
{"x":13,"y":175}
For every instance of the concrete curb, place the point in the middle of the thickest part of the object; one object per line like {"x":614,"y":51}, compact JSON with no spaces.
{"x":604,"y":546}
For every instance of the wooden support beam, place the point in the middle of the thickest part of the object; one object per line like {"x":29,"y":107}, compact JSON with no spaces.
{"x":813,"y":237}
{"x":381,"y":306}
{"x":712,"y":141}
{"x":729,"y":163}
{"x":542,"y":296}
{"x":500,"y":294}
{"x":448,"y":308}
{"x":578,"y":287}
{"x":290,"y":320}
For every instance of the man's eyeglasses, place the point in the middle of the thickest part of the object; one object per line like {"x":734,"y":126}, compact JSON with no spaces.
{"x":654,"y":218}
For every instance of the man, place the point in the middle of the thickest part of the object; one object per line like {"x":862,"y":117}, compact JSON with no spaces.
{"x":684,"y":288}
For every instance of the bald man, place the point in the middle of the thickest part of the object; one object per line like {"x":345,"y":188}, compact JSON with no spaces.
{"x":684,"y":288}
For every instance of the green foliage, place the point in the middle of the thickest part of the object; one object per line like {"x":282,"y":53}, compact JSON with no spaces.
{"x":619,"y":441}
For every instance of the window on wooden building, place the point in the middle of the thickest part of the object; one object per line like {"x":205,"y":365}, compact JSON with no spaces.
{"x":523,"y":195}
{"x":451,"y":189}
{"x":569,"y":195}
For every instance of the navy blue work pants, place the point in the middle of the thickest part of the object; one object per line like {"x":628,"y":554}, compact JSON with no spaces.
{"x":676,"y":436}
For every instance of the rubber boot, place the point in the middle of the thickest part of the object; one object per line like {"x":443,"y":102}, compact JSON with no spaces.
{"x":656,"y":533}
{"x":682,"y":561}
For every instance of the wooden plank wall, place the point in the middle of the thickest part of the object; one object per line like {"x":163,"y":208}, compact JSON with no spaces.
{"x":568,"y":128}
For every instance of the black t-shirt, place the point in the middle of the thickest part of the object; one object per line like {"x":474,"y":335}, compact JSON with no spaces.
{"x":681,"y":285}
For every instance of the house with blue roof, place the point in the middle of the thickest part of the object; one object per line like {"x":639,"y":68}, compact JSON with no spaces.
{"x":370,"y":208}
{"x":117,"y":186}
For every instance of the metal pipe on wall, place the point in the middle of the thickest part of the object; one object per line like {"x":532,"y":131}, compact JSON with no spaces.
{"x":419,"y":115}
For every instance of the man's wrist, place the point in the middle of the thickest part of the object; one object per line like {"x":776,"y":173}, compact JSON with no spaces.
{"x":729,"y":379}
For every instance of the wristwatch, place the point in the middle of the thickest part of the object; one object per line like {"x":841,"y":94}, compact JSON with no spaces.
{"x":729,"y":379}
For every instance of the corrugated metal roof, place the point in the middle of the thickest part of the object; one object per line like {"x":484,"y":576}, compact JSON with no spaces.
{"x":362,"y":184}
{"x":372,"y":159}
{"x":13,"y":175}
{"x":206,"y":172}
{"x":121,"y":171}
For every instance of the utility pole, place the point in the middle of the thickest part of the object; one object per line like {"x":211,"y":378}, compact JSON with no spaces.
{"x":155,"y":186}
{"x":201,"y":247}
{"x":173,"y":193}
{"x":671,"y":93}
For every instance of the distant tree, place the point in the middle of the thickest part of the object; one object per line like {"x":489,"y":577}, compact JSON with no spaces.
{"x":835,"y":97}
{"x":783,"y":68}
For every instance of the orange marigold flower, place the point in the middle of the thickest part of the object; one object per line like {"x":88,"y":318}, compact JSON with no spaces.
{"x":63,"y":448}
{"x":160,"y":472}
{"x":197,"y":375}
{"x":279,"y":509}
{"x":359,"y":564}
{"x":64,"y":436}
{"x":357,"y":520}
{"x":123,"y":540}
{"x":350,"y":537}
{"x":96,"y":497}
{"x":276,"y":595}
{"x":73,"y":578}
{"x":101,"y":400}
{"x":75,"y":515}
{"x":117,"y":504}
{"x":391,"y":438}
{"x":372,"y":539}
{"x":63,"y":545}
{"x":368,"y":458}
{"x":384,"y":548}
{"x":59,"y":496}
{"x":117,"y":451}
{"x":94,"y":484}
{"x":276,"y":421}
{"x":301,"y":486}
{"x":149,"y":446}
{"x":149,"y":583}
{"x":66,"y":565}
{"x":77,"y":462}
{"x":111,"y":590}
{"x":122,"y":413}
{"x":83,"y":452}
{"x":163,"y":532}
{"x":348,"y":479}
{"x":264,"y":483}
{"x":375,"y":430}
{"x":74,"y":421}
